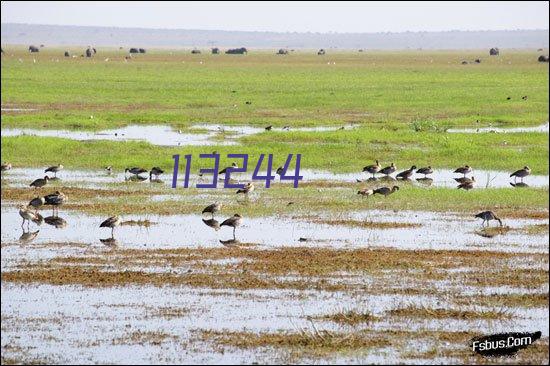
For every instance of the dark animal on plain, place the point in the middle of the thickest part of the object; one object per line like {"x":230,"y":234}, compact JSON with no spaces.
{"x":543,"y":58}
{"x":33,"y":49}
{"x":406,"y":174}
{"x":195,"y":51}
{"x":40,"y":182}
{"x":142,"y":50}
{"x":234,"y":222}
{"x":212,"y":209}
{"x":134,"y":50}
{"x":237,"y":51}
{"x":464,"y":62}
{"x":488,"y":216}
{"x":508,"y":98}
{"x":385,"y":191}
{"x":215,"y":51}
{"x":67,"y":54}
{"x":524,"y":97}
{"x":269,"y":128}
{"x":522,"y":173}
{"x":89,"y":52}
{"x":494,"y":51}
{"x":321,"y":52}
{"x":477,"y":61}
{"x":282,"y":51}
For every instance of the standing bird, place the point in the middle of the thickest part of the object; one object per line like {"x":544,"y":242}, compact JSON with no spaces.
{"x":55,"y":200}
{"x":156,"y":171}
{"x":109,"y":169}
{"x":279,"y":171}
{"x":111,"y":222}
{"x":249,"y":187}
{"x":426,"y":170}
{"x":212,"y":209}
{"x":40,"y":182}
{"x":135,"y":170}
{"x":488,"y":216}
{"x":268,"y":128}
{"x":54,"y":169}
{"x":29,"y":215}
{"x":37,"y":202}
{"x":224,"y":170}
{"x":406,"y":174}
{"x":5,"y":166}
{"x":372,"y":169}
{"x":463,"y":170}
{"x":365,"y":192}
{"x":385,"y":191}
{"x":234,"y":221}
{"x":522,"y":173}
{"x":388,"y":170}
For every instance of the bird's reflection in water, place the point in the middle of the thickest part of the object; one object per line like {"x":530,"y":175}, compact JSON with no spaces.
{"x":519,"y":185}
{"x":230,"y":242}
{"x":55,"y":179}
{"x":387,"y":178}
{"x":56,"y":221}
{"x":425,"y":181}
{"x":156,"y":180}
{"x":214,"y":224}
{"x":372,"y":179}
{"x":135,"y":178}
{"x":110,"y":242}
{"x":28,"y":236}
{"x":406,"y":180}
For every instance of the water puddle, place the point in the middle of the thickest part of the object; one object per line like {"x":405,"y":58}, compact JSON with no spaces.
{"x":544,"y":128}
{"x":22,"y":177}
{"x":438,"y":231}
{"x":207,"y":134}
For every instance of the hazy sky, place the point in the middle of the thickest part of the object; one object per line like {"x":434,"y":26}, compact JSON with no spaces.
{"x":281,"y":16}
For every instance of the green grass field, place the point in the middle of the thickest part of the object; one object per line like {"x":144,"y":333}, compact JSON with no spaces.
{"x":401,"y":102}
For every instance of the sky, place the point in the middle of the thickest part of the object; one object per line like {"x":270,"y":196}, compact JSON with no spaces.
{"x":280,"y":16}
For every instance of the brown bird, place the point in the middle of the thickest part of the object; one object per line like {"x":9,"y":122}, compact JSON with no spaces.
{"x":488,"y":216}
{"x":385,"y":191}
{"x":463,"y":170}
{"x":388,"y":170}
{"x":406,"y":174}
{"x":29,"y":215}
{"x":365,"y":192}
{"x":466,"y":185}
{"x":40,"y":182}
{"x":111,"y":222}
{"x":249,"y":187}
{"x":373,"y":169}
{"x":234,"y":221}
{"x":522,"y":173}
{"x":212,"y":209}
{"x":5,"y":166}
{"x":427,"y":170}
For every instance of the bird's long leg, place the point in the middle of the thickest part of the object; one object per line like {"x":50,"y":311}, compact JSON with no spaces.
{"x":112,"y":232}
{"x":22,"y":224}
{"x":234,"y":227}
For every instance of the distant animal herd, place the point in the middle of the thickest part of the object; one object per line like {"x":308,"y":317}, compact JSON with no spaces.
{"x":90,"y":51}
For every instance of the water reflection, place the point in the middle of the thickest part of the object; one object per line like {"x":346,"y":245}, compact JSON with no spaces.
{"x":230,"y":242}
{"x":56,"y":221}
{"x":214,"y":224}
{"x":135,"y":178}
{"x":110,"y":242}
{"x":425,"y":181}
{"x":519,"y":185}
{"x":28,"y":236}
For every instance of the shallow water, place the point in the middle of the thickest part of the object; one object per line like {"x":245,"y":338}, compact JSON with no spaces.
{"x":438,"y":231}
{"x":159,"y":134}
{"x":22,"y":177}
{"x":544,"y":128}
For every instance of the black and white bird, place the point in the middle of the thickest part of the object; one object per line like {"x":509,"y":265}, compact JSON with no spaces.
{"x":522,"y":173}
{"x":224,"y":170}
{"x":248,"y":187}
{"x":388,"y":170}
{"x":111,"y":222}
{"x":372,"y":169}
{"x":156,"y":171}
{"x":6,"y":166}
{"x":234,"y":221}
{"x":55,"y":200}
{"x":54,"y":169}
{"x":37,"y":202}
{"x":135,"y":170}
{"x":488,"y":216}
{"x":463,"y":170}
{"x":366,"y":192}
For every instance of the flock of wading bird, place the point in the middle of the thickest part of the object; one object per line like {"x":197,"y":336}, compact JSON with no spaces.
{"x":30,"y":212}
